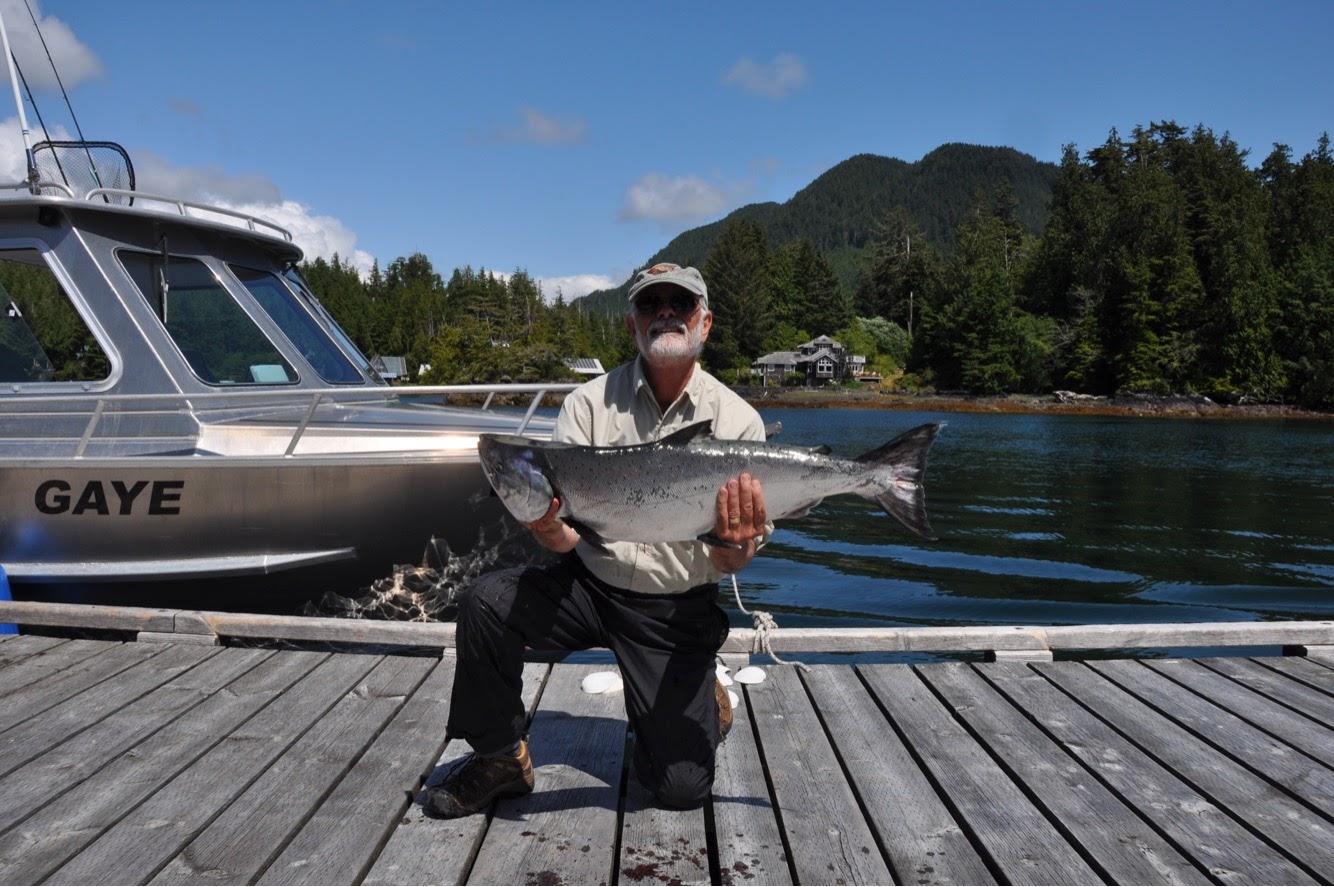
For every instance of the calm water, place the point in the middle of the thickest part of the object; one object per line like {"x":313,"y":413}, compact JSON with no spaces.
{"x":1065,"y":519}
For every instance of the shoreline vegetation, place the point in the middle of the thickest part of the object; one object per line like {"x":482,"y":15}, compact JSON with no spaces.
{"x":1064,"y":403}
{"x":1057,"y":403}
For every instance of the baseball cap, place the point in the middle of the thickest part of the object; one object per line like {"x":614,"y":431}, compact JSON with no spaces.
{"x":687,"y":278}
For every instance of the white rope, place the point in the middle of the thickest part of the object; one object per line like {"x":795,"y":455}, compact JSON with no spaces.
{"x":764,"y":624}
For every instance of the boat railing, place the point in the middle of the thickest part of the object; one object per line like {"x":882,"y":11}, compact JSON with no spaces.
{"x":254,"y":223}
{"x":193,"y":403}
{"x":36,"y":187}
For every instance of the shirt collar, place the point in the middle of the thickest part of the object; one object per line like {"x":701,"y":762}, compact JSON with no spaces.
{"x":691,"y":392}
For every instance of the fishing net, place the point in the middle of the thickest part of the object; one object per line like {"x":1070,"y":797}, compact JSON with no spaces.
{"x":84,"y":166}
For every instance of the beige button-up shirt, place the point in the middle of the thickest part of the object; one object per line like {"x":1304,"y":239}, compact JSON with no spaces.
{"x":619,"y":409}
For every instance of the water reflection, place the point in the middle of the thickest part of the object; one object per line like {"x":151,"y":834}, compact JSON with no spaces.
{"x":1064,"y":519}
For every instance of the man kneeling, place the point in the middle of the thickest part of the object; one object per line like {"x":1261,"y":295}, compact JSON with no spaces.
{"x":654,"y":605}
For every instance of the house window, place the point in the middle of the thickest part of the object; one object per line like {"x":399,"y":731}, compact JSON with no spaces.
{"x":824,"y":368}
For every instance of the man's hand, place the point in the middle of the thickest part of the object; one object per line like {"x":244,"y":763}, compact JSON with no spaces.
{"x":741,"y":519}
{"x":552,"y":533}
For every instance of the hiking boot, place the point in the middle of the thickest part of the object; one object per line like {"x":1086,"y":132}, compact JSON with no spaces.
{"x":724,"y":709}
{"x":476,"y":781}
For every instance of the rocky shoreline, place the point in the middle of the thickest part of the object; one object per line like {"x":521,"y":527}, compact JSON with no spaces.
{"x":1058,"y":402}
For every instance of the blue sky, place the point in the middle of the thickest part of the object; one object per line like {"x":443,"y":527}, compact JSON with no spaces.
{"x":575,"y":139}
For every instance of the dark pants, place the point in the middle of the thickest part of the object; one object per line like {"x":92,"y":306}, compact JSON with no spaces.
{"x":665,"y":646}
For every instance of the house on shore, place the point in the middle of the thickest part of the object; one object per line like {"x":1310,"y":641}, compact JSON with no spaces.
{"x":822,"y":361}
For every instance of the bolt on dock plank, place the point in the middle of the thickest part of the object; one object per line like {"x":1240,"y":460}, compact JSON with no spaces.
{"x":125,"y":762}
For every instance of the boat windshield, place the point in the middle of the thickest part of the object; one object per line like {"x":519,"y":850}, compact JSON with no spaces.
{"x":292,"y":276}
{"x":298,"y":325}
{"x":216,"y":337}
{"x":42,"y":336}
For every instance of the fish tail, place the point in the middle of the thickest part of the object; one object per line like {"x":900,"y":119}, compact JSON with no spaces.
{"x":902,"y":494}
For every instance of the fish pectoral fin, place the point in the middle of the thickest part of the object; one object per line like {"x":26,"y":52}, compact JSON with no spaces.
{"x":803,"y":509}
{"x":710,"y":538}
{"x":683,"y":436}
{"x":587,"y":533}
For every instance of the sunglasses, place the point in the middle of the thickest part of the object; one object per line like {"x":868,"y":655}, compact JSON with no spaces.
{"x":683,"y":304}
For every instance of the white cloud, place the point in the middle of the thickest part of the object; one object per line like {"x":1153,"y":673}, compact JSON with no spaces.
{"x":544,"y":129}
{"x":667,"y":199}
{"x":72,"y":56}
{"x":776,"y":80}
{"x":574,"y":286}
{"x":157,"y":175}
{"x":252,"y":194}
{"x":570,"y":286}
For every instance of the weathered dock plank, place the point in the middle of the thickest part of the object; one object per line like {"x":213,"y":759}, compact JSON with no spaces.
{"x":750,"y":843}
{"x":241,"y":841}
{"x":1303,"y":669}
{"x":924,"y":843}
{"x":659,"y":845}
{"x":1313,"y":704}
{"x":79,"y":735}
{"x":566,"y":829}
{"x":34,"y":699}
{"x":423,"y":850}
{"x":47,"y":663}
{"x":1018,"y":838}
{"x":69,"y":763}
{"x":18,"y":647}
{"x":1120,"y":843}
{"x":51,"y":835}
{"x":819,"y":812}
{"x":1304,"y":835}
{"x":136,"y":847}
{"x":1232,"y":733}
{"x":339,"y":842}
{"x":1218,"y":842}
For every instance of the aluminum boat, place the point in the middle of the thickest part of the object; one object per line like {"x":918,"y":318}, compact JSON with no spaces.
{"x":176,"y":405}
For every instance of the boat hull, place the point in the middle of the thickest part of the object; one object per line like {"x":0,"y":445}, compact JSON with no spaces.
{"x":111,"y":522}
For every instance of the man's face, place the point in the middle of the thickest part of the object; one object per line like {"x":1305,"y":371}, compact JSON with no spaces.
{"x":669,"y":325}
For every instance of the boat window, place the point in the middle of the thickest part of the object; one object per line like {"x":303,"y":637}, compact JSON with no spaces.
{"x":298,"y":325}
{"x":42,"y":336}
{"x":217,"y":338}
{"x":349,"y":347}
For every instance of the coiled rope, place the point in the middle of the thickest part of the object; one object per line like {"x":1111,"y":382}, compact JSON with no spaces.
{"x":761,"y":642}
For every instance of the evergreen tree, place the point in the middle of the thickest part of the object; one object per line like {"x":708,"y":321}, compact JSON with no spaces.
{"x":738,"y":296}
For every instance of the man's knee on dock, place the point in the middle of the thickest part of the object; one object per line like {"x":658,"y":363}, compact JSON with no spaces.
{"x":684,"y":785}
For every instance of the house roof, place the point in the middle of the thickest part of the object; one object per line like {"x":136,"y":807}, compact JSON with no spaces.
{"x":390,"y":365}
{"x":822,"y":353}
{"x":778,"y":358}
{"x":822,"y":340}
{"x":585,"y":366}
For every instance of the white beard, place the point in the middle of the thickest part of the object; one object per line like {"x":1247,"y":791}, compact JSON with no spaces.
{"x":671,"y":348}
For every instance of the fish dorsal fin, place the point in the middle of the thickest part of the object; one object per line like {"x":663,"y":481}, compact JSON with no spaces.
{"x":683,"y":436}
{"x":822,"y":450}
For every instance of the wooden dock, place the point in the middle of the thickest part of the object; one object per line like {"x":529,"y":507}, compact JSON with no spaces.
{"x":139,"y":762}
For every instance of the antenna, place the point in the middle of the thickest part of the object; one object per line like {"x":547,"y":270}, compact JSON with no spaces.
{"x":18,"y":103}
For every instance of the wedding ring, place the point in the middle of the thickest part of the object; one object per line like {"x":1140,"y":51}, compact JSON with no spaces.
{"x":734,"y":521}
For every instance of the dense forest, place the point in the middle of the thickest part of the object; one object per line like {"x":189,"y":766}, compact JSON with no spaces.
{"x":476,"y":327}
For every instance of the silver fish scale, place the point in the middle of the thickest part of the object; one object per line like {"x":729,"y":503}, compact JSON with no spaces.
{"x":662,"y":494}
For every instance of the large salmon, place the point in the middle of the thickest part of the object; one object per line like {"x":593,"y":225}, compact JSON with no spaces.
{"x":666,"y":491}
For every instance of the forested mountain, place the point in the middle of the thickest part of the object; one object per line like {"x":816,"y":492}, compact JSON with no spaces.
{"x":1160,"y":262}
{"x":839,"y":211}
